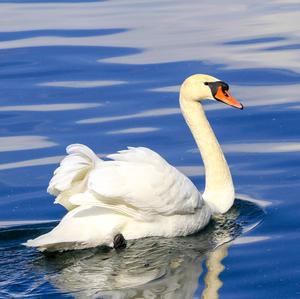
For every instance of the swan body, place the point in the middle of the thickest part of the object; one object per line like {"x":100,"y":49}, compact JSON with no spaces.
{"x":136,"y":192}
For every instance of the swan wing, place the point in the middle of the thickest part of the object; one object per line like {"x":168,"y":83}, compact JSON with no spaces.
{"x":70,"y":177}
{"x":140,"y":180}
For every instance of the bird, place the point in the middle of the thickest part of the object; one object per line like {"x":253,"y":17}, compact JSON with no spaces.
{"x":135,"y":193}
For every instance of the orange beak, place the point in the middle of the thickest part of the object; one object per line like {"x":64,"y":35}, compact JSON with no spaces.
{"x":225,"y":97}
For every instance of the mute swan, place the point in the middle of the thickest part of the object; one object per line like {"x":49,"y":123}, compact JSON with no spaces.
{"x":137,"y":193}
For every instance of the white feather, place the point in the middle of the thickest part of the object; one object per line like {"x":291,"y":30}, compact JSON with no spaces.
{"x":137,"y":193}
{"x":138,"y":188}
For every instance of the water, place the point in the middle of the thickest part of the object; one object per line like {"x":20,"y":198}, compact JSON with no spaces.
{"x":106,"y":74}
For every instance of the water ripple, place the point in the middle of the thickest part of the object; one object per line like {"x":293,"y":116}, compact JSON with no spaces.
{"x":49,"y":107}
{"x":148,"y":267}
{"x":21,"y":143}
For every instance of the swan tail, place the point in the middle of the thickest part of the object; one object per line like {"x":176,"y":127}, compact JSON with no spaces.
{"x":53,"y":241}
{"x":47,"y":244}
{"x":83,"y":227}
{"x":71,"y":176}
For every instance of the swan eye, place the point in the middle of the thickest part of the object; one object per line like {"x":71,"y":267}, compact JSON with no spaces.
{"x":213,"y":86}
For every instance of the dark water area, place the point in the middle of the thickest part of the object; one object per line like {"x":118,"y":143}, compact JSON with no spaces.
{"x":147,"y":268}
{"x":107,"y":74}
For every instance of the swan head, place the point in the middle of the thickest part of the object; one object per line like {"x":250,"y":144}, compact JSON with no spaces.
{"x":204,"y":87}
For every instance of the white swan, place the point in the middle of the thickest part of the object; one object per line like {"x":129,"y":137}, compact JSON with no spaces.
{"x":137,"y":193}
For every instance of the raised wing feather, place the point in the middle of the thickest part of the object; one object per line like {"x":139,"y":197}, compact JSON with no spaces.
{"x":142,"y":180}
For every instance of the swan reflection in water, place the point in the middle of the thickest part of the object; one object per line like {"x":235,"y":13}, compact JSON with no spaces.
{"x":152,"y":267}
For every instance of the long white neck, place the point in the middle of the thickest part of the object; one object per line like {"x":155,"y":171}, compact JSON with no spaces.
{"x":219,"y":190}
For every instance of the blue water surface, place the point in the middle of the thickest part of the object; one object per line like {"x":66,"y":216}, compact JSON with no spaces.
{"x":107,"y":74}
